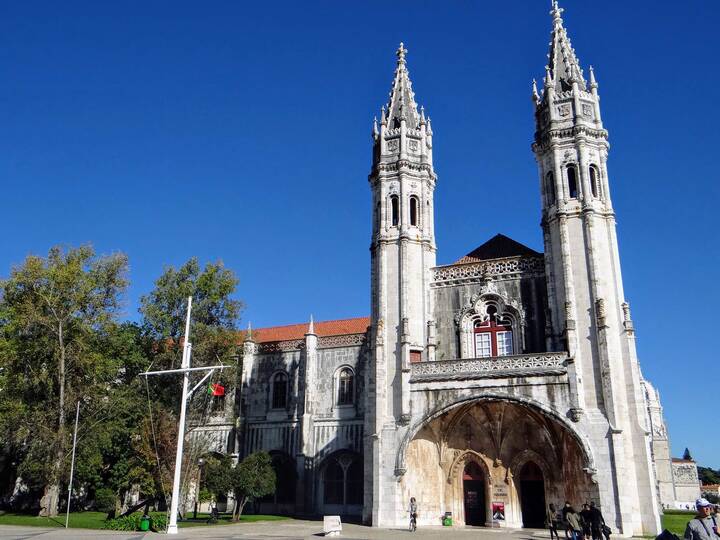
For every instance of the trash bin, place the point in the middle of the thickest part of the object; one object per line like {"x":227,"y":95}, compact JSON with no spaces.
{"x":447,"y":519}
{"x":145,"y":523}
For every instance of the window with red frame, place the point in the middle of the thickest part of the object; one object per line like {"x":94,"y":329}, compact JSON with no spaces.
{"x":494,"y":336}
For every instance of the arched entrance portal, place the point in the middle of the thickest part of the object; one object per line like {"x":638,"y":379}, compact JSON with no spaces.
{"x":474,"y":494}
{"x":495,"y":453}
{"x":532,"y":496}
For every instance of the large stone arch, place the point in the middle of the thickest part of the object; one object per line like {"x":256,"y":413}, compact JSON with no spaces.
{"x":400,"y":465}
{"x":501,"y":434}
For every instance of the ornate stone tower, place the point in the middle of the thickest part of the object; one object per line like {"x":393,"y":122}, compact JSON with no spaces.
{"x":402,"y":250}
{"x":588,"y":312}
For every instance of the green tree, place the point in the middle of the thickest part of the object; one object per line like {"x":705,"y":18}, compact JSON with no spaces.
{"x":215,"y":315}
{"x":708,"y":475}
{"x":253,"y":478}
{"x":53,"y":312}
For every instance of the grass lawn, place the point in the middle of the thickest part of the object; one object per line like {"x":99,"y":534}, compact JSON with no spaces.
{"x":95,"y":520}
{"x":78,"y":520}
{"x":676,"y":520}
{"x":225,"y":519}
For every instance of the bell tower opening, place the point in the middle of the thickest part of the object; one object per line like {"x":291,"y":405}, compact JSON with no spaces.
{"x":532,"y":496}
{"x":474,"y":494}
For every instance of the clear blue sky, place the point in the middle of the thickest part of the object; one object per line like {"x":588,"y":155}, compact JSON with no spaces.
{"x":241,"y":131}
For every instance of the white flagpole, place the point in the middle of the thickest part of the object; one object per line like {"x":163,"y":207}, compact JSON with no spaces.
{"x":172,"y":526}
{"x":72,"y":465}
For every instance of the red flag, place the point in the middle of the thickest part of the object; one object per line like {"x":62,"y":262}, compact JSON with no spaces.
{"x":216,"y":389}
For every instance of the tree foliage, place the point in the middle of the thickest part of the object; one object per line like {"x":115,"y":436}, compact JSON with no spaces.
{"x":55,"y":312}
{"x":252,"y":479}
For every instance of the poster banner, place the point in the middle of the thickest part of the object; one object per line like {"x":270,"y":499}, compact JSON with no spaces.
{"x":498,"y":511}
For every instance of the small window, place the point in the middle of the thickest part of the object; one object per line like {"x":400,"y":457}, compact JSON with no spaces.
{"x":413,"y":211}
{"x":550,"y":188}
{"x":345,"y":387}
{"x":279,"y":391}
{"x":395,"y":210}
{"x":594,"y":181}
{"x":415,"y":357}
{"x":572,"y":182}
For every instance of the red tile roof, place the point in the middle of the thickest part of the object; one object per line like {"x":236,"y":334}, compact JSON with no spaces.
{"x":340,"y":327}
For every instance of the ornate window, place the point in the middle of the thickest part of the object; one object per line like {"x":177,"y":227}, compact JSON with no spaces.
{"x":346,"y":387}
{"x":414,"y":211}
{"x":594,"y":181}
{"x":572,"y":182}
{"x":490,"y":325}
{"x":279,"y":386}
{"x":394,"y":210}
{"x":493,"y":335}
{"x":550,"y":188}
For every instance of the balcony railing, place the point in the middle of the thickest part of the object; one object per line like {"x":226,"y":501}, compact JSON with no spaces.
{"x":521,"y":365}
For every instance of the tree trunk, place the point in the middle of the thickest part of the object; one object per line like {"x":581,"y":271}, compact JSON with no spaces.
{"x":238,"y":510}
{"x":51,"y":498}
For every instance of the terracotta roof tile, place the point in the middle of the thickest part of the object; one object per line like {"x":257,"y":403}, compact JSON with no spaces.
{"x":339,"y":327}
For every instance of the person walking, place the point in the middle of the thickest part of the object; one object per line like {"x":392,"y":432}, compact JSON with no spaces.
{"x":412,"y":509}
{"x":574,"y":524}
{"x":702,"y":526}
{"x":564,"y":513}
{"x":552,"y":521}
{"x":585,"y":514}
{"x":597,"y":521}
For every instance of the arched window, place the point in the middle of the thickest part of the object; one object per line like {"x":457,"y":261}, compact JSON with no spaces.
{"x":413,"y":211}
{"x":493,"y":336}
{"x":572,"y":182}
{"x":550,"y":188}
{"x":342,"y":479}
{"x":594,"y":181}
{"x":345,"y":387}
{"x":394,"y":210}
{"x":279,"y":391}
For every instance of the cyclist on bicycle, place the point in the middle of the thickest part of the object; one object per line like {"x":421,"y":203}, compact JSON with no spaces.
{"x":413,"y":513}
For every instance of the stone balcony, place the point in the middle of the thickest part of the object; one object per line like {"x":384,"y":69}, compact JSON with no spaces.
{"x":521,"y":365}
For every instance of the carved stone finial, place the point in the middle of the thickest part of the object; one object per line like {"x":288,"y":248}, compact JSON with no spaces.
{"x":401,"y":52}
{"x":626,"y":311}
{"x":568,"y":310}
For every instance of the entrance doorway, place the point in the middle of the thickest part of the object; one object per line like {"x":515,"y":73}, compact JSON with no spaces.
{"x":532,"y":496}
{"x":474,"y":493}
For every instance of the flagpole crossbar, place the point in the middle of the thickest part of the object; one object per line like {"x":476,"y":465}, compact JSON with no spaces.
{"x":182,"y":370}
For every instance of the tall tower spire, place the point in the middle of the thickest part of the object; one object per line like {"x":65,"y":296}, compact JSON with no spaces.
{"x":584,"y":283}
{"x":402,"y":98}
{"x":402,"y":182}
{"x":562,"y":60}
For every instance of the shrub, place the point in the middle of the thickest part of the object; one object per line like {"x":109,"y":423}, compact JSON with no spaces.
{"x":127,"y":523}
{"x":105,"y":500}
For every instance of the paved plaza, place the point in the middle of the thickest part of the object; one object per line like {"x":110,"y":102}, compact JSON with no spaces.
{"x":286,"y":530}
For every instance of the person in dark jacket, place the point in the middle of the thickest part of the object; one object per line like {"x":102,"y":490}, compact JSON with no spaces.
{"x":597,"y":522}
{"x":586,"y":516}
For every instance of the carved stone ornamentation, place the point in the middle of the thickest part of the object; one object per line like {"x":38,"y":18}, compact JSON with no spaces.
{"x":522,"y":365}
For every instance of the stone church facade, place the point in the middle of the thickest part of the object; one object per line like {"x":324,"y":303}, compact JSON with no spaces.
{"x":488,"y":387}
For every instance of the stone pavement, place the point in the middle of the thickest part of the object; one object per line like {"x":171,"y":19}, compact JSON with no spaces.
{"x":277,"y":530}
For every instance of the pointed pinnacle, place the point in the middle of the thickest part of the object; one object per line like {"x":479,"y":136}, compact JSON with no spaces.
{"x":383,"y":116}
{"x":593,"y":82}
{"x":249,"y":331}
{"x":535,"y":95}
{"x":311,"y":326}
{"x":422,"y":114}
